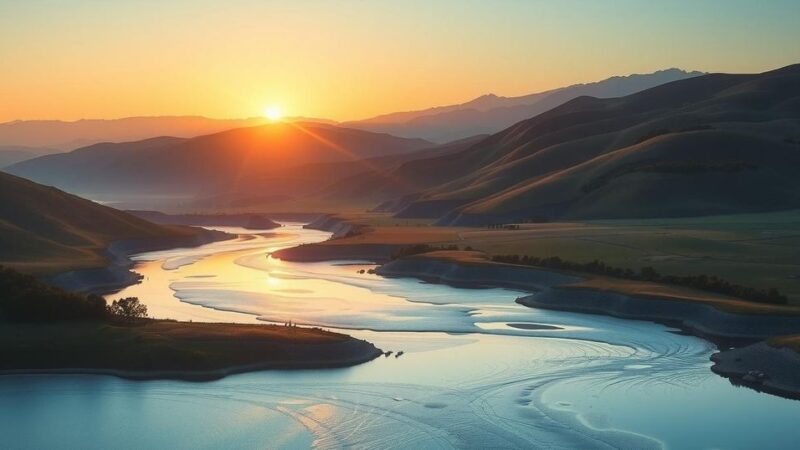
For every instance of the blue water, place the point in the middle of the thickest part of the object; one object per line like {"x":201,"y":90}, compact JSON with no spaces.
{"x":466,"y":379}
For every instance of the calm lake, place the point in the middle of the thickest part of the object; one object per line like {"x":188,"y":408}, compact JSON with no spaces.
{"x":477,"y":370}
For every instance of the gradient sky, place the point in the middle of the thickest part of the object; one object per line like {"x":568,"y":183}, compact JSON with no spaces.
{"x":72,"y":59}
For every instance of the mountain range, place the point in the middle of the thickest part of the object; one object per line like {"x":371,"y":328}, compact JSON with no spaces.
{"x":705,"y":144}
{"x":713,"y":144}
{"x":491,"y":113}
{"x":63,"y":135}
{"x":252,"y":159}
{"x":12,"y":154}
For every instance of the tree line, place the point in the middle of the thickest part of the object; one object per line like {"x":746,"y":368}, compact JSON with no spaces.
{"x":416,"y":249}
{"x":710,"y":283}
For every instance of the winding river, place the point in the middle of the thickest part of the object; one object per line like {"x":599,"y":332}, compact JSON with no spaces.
{"x":477,"y":370}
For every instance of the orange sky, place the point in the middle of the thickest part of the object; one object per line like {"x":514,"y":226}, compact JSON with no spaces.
{"x":353,"y":59}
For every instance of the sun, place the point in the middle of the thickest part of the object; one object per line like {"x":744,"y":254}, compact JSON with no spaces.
{"x":273,"y":113}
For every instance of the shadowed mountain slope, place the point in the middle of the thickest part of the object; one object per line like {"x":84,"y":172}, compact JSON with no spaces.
{"x":44,"y":230}
{"x":71,"y":135}
{"x":707,"y":145}
{"x":246,"y":159}
{"x":378,"y":180}
{"x":12,"y":154}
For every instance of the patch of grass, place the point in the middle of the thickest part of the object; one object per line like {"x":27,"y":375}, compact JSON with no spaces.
{"x":759,"y":250}
{"x":158,"y":345}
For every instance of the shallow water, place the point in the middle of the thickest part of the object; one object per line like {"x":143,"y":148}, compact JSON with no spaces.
{"x":477,"y":371}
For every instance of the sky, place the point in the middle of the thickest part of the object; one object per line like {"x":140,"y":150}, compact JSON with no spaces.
{"x":344,"y":60}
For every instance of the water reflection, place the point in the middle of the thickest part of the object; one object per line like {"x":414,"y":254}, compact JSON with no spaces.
{"x":477,"y":371}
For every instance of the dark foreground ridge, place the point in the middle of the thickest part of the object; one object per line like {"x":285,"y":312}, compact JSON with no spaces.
{"x":159,"y":349}
{"x":45,"y":329}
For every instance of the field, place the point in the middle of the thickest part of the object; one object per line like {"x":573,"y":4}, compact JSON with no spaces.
{"x":758,"y":250}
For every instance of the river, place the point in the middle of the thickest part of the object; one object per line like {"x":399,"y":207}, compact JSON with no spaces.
{"x":477,"y":370}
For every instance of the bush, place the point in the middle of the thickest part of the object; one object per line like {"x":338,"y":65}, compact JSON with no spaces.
{"x":128,"y":309}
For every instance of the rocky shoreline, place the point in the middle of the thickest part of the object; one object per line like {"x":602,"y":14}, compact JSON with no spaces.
{"x":762,"y":367}
{"x":694,"y":318}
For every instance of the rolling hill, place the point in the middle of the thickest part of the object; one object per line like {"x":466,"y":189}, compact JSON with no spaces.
{"x":71,"y":135}
{"x":12,"y":154}
{"x":44,"y":230}
{"x":383,"y":179}
{"x":713,"y":144}
{"x":491,"y":113}
{"x":255,"y":159}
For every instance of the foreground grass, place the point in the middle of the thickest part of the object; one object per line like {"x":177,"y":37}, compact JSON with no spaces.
{"x":155,"y":347}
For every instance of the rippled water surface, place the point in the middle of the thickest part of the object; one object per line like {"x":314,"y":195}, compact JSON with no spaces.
{"x":477,"y":371}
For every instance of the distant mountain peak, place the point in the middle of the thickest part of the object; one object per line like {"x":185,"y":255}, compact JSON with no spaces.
{"x":490,"y":112}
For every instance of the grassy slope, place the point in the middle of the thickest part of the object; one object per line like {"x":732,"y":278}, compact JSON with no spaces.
{"x":171,"y":346}
{"x":593,"y":158}
{"x":44,"y":230}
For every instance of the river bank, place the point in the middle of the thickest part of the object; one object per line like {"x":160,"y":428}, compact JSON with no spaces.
{"x":117,"y":273}
{"x":762,"y":366}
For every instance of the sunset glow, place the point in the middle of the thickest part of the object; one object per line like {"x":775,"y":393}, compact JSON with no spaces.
{"x":303,"y":57}
{"x":273,"y":112}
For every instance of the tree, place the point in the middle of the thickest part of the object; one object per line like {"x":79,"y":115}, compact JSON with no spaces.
{"x":128,"y":309}
{"x":649,"y":274}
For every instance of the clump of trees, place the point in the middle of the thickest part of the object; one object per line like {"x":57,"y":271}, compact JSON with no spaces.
{"x":503,"y":226}
{"x":710,"y":283}
{"x":128,"y":309}
{"x":23,"y":298}
{"x":417,"y":249}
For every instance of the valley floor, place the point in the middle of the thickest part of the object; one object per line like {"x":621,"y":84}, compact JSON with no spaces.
{"x":756,"y":250}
